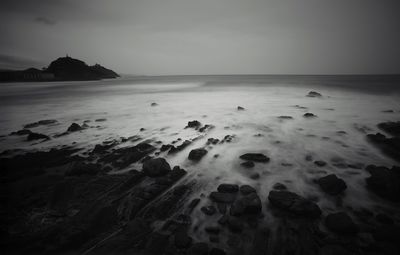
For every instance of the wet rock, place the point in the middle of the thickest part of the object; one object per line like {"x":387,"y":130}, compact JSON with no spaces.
{"x":156,"y":167}
{"x":208,"y":210}
{"x":142,"y":129}
{"x":212,"y":141}
{"x":198,"y":249}
{"x":40,"y":123}
{"x":384,"y":182}
{"x":341,"y":223}
{"x":101,"y":120}
{"x":257,"y":157}
{"x":279,"y":186}
{"x":222,"y":197}
{"x":308,"y":158}
{"x":389,"y":146}
{"x":228,"y":188}
{"x":331,"y":184}
{"x":223,"y":220}
{"x":294,"y":203}
{"x":390,"y":127}
{"x":197,"y":154}
{"x":82,"y":168}
{"x":283,"y":117}
{"x":217,"y":251}
{"x":174,"y":149}
{"x":248,"y":204}
{"x":222,"y":208}
{"x":248,"y":164}
{"x":21,"y":132}
{"x":206,"y":127}
{"x":240,"y":108}
{"x":166,"y":147}
{"x":313,"y":94}
{"x":235,"y":224}
{"x":37,"y":136}
{"x":320,"y":163}
{"x":260,"y":242}
{"x":153,"y":104}
{"x":193,"y":124}
{"x":61,"y":196}
{"x":193,"y":204}
{"x":255,"y":176}
{"x":74,"y":127}
{"x":182,"y":239}
{"x":247,"y":189}
{"x":309,"y":115}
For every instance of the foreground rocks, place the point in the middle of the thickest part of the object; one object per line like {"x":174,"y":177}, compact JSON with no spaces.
{"x":257,"y":157}
{"x":331,"y":184}
{"x":341,"y":223}
{"x":197,"y":154}
{"x":384,"y":182}
{"x":156,"y":167}
{"x":389,"y":146}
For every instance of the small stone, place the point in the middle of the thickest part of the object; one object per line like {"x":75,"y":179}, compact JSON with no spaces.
{"x":247,"y":189}
{"x":208,"y":210}
{"x":240,"y":108}
{"x":309,"y":115}
{"x":257,"y":157}
{"x":248,"y":164}
{"x":320,"y":163}
{"x":74,"y":127}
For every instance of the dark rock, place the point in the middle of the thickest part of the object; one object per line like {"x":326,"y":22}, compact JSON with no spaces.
{"x":217,"y":251}
{"x":81,"y":168}
{"x":36,"y":136}
{"x":193,"y":124}
{"x":384,"y":219}
{"x":390,"y":127}
{"x":101,"y":120}
{"x":157,"y":243}
{"x":208,"y":210}
{"x":154,"y":104}
{"x":212,"y":229}
{"x":341,"y":223}
{"x":247,"y":189}
{"x":285,"y":117}
{"x":308,"y":158}
{"x":309,"y":115}
{"x":240,"y":108}
{"x":222,"y":208}
{"x":206,"y":127}
{"x":279,"y":186}
{"x":255,"y":176}
{"x":182,"y":239}
{"x":389,"y":146}
{"x":21,"y":132}
{"x":193,"y":204}
{"x":294,"y":203}
{"x":248,"y":204}
{"x":234,"y":224}
{"x":223,"y":220}
{"x":212,"y":141}
{"x":180,"y":147}
{"x":248,"y":164}
{"x":40,"y":123}
{"x":156,"y":167}
{"x":228,"y":188}
{"x":331,"y":184}
{"x":334,"y":250}
{"x":61,"y":196}
{"x":314,"y":94}
{"x":197,"y":154}
{"x":198,"y":249}
{"x":74,"y":127}
{"x":222,"y":197}
{"x":320,"y":163}
{"x":166,"y":147}
{"x":257,"y":157}
{"x":384,"y":182}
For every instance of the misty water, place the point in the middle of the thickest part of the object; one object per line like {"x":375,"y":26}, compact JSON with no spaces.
{"x":352,"y":106}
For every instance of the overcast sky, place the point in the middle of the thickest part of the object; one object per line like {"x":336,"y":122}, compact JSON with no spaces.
{"x":205,"y":36}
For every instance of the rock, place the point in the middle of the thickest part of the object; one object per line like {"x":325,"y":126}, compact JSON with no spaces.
{"x":389,"y":146}
{"x":157,"y":243}
{"x":217,"y":251}
{"x":228,"y":188}
{"x":36,"y":136}
{"x":255,"y":176}
{"x":197,"y":154}
{"x":21,"y":132}
{"x":320,"y":163}
{"x":248,"y":204}
{"x":208,"y":210}
{"x":206,"y":127}
{"x":257,"y":157}
{"x":82,"y":168}
{"x":193,"y":204}
{"x":240,"y":108}
{"x":384,"y":219}
{"x":222,"y":197}
{"x":61,"y":196}
{"x":279,"y":186}
{"x":341,"y":223}
{"x":182,"y":239}
{"x":294,"y":203}
{"x":390,"y":127}
{"x":309,"y":115}
{"x":331,"y":249}
{"x":283,"y":117}
{"x":248,"y":164}
{"x":101,"y":120}
{"x":166,"y":147}
{"x":193,"y":124}
{"x":313,"y":94}
{"x":384,"y":182}
{"x":331,"y":184}
{"x":74,"y":127}
{"x":212,"y":229}
{"x":40,"y":123}
{"x":198,"y":249}
{"x":156,"y":167}
{"x":212,"y":141}
{"x":247,"y":189}
{"x":234,"y":224}
{"x":154,"y":104}
{"x":180,"y":147}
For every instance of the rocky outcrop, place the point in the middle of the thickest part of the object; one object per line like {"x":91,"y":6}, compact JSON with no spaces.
{"x":384,"y":182}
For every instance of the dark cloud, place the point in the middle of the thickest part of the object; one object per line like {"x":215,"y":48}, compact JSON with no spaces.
{"x":45,"y":21}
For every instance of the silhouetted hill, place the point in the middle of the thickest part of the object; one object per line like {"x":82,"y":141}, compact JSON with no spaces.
{"x":61,"y":69}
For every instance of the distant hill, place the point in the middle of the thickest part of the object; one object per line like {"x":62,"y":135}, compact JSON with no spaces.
{"x":61,"y":69}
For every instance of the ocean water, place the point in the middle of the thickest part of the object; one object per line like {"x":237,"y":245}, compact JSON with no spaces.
{"x":353,"y":104}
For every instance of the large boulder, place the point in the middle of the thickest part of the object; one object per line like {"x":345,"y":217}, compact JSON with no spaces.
{"x":257,"y":157}
{"x":248,"y":204}
{"x":341,"y":223}
{"x":228,"y":188}
{"x":294,"y":203}
{"x":221,"y":197}
{"x":384,"y":181}
{"x":197,"y":154}
{"x":156,"y":167}
{"x":331,"y":184}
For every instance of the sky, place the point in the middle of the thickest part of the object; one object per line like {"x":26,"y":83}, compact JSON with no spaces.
{"x":173,"y":37}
